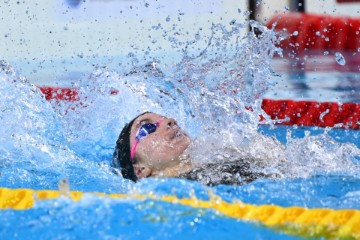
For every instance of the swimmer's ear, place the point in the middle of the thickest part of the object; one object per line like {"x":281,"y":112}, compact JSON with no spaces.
{"x":142,"y":171}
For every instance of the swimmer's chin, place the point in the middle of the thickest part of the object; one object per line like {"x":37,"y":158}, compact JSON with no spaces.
{"x":185,"y":156}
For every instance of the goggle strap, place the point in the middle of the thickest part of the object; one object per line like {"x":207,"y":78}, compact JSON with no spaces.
{"x":157,"y":123}
{"x":133,"y":148}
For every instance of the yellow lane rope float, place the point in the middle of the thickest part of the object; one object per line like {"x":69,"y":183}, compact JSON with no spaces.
{"x":300,"y":221}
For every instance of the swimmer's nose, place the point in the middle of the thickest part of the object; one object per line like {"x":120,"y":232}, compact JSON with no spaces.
{"x":171,"y":122}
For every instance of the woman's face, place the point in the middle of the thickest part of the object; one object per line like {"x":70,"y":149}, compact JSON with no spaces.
{"x":162,"y":149}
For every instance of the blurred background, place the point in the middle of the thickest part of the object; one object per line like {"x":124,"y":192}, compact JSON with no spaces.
{"x":55,"y":42}
{"x":268,"y":8}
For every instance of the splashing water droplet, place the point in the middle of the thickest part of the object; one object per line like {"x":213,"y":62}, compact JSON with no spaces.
{"x":64,"y":187}
{"x":197,"y":36}
{"x":326,"y":53}
{"x":340,"y":59}
{"x":295,"y":33}
{"x":321,"y":117}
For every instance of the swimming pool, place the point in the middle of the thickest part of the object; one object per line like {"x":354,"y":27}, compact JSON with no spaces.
{"x":43,"y":142}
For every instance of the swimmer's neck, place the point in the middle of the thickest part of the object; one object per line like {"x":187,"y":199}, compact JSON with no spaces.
{"x":183,"y":167}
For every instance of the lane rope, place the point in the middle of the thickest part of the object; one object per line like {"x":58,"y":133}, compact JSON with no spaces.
{"x":294,"y":220}
{"x":290,"y":112}
{"x":310,"y":113}
{"x":303,"y":29}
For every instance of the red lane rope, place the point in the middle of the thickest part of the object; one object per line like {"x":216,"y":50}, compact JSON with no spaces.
{"x":289,"y":112}
{"x":317,"y":32}
{"x":309,"y":113}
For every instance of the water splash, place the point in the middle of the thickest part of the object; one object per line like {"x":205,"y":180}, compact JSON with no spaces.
{"x":34,"y":149}
{"x":215,"y":94}
{"x":319,"y":154}
{"x":23,"y":113}
{"x":340,"y":59}
{"x":204,"y":91}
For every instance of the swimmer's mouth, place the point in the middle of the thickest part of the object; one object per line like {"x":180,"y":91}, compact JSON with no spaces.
{"x":176,"y":134}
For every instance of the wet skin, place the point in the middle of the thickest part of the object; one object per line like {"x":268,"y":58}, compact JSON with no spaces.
{"x":161,"y":153}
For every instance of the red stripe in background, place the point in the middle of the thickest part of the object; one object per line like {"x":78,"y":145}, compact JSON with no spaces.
{"x":309,"y":113}
{"x":301,"y":113}
{"x":345,"y":1}
{"x":317,"y":32}
{"x":57,"y":93}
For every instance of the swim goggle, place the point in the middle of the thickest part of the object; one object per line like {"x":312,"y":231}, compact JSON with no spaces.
{"x":143,"y":131}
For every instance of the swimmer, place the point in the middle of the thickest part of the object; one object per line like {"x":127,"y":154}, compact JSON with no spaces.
{"x":155,"y":146}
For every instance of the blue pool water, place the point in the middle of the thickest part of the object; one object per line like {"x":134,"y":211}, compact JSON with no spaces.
{"x":44,"y":142}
